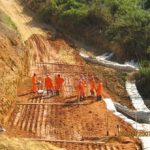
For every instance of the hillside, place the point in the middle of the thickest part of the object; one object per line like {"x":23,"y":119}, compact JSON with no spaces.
{"x":11,"y":63}
{"x":13,"y":69}
{"x":30,"y":46}
{"x":121,"y":27}
{"x":118,"y":26}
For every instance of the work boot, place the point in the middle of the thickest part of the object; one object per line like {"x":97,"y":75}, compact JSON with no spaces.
{"x":84,"y":98}
{"x":92,"y":93}
{"x":57,"y":92}
{"x":81,"y":98}
{"x":99,"y":98}
{"x":52,"y":92}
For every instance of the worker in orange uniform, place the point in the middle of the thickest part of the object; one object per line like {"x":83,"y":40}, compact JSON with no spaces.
{"x":48,"y":84}
{"x":58,"y":84}
{"x":34,"y":83}
{"x":92,"y":86}
{"x":99,"y":90}
{"x":81,"y":90}
{"x":84,"y":83}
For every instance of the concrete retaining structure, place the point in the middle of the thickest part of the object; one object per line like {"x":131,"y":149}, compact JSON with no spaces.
{"x":137,"y":101}
{"x":145,"y":143}
{"x":138,"y":126}
{"x":139,"y":105}
{"x":139,"y":116}
{"x":135,"y":97}
{"x":109,"y":64}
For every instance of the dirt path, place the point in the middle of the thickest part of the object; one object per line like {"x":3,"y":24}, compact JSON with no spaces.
{"x":49,"y":121}
{"x":25,"y":24}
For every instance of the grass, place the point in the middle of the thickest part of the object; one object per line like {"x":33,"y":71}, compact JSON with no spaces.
{"x":143,"y":79}
{"x":145,"y":69}
{"x":7,"y":20}
{"x":7,"y":143}
{"x":145,"y":72}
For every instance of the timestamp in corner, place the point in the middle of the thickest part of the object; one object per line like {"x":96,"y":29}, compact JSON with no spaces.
{"x":138,"y":134}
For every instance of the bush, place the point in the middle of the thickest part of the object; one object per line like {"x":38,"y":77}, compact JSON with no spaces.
{"x":143,"y":79}
{"x":125,"y":21}
{"x":131,"y":27}
{"x":74,"y":11}
{"x":145,"y":70}
{"x":7,"y":20}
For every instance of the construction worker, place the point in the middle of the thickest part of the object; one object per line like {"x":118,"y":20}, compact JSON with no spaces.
{"x":48,"y":84}
{"x":81,"y":90}
{"x":34,"y":83}
{"x":84,"y":84}
{"x":92,"y":86}
{"x":99,"y":90}
{"x":58,"y":84}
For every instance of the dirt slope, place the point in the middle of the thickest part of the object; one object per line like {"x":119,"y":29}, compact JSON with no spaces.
{"x":42,"y":49}
{"x":25,"y":24}
{"x":11,"y":68}
{"x":45,"y":50}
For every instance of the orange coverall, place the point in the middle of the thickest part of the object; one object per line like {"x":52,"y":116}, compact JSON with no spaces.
{"x":84,"y":82}
{"x":81,"y":89}
{"x":34,"y":84}
{"x":48,"y":83}
{"x":92,"y":85}
{"x":99,"y":89}
{"x":58,"y":83}
{"x":84,"y":87}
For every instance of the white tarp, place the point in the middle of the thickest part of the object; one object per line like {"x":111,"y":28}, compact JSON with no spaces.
{"x":140,"y":116}
{"x":107,"y":63}
{"x":135,"y":97}
{"x":138,"y":126}
{"x":145,"y":142}
{"x":105,"y":56}
{"x":132,"y":63}
{"x":83,"y":55}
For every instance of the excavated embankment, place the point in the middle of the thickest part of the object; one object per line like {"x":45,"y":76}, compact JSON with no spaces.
{"x":47,"y":121}
{"x":41,"y":120}
{"x":12,"y":68}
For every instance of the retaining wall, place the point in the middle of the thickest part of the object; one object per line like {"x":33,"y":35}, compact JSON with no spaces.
{"x":109,"y":64}
{"x":138,"y":126}
{"x":135,"y":97}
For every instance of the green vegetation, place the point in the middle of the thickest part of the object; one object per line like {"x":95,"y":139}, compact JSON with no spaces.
{"x":124,"y":21}
{"x":103,"y":22}
{"x":143,"y":79}
{"x":145,"y":69}
{"x":7,"y":20}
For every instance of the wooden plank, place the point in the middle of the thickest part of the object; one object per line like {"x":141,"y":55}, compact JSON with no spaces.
{"x":63,"y":104}
{"x":69,"y":141}
{"x":47,"y":63}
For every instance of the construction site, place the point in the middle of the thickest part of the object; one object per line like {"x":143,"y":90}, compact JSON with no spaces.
{"x":48,"y":118}
{"x":64,"y":121}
